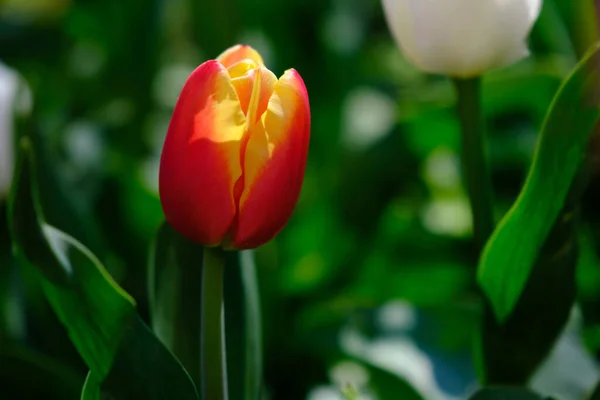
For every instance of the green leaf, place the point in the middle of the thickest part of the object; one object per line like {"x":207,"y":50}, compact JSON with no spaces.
{"x":512,"y":251}
{"x":57,"y":192}
{"x":20,"y":366}
{"x":124,"y":357}
{"x":506,"y":393}
{"x":91,"y":388}
{"x":174,"y":285}
{"x":88,"y":302}
{"x":513,"y":349}
{"x":243,"y":326}
{"x":387,"y":385}
{"x":143,"y":369}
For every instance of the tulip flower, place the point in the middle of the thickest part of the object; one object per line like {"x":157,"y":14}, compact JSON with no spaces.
{"x":9,"y":85}
{"x":235,"y":152}
{"x":461,"y":38}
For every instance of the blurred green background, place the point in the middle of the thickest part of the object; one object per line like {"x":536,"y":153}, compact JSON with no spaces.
{"x":376,"y":268}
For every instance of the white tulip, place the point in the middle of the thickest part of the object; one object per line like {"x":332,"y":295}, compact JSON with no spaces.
{"x":14,"y":99}
{"x":462,"y":38}
{"x":8,"y":87}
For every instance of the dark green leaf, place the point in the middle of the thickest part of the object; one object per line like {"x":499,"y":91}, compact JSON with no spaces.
{"x":174,"y":286}
{"x":243,"y":326}
{"x":174,"y":281}
{"x":99,"y":316}
{"x":141,"y":370}
{"x":512,"y":350}
{"x":512,"y":251}
{"x":389,"y":386}
{"x":91,"y":388}
{"x":58,"y":193}
{"x":385,"y":384}
{"x":87,"y":301}
{"x":19,"y":367}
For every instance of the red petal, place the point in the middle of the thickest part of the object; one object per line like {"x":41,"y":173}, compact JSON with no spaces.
{"x":200,"y":162}
{"x":274,"y":164}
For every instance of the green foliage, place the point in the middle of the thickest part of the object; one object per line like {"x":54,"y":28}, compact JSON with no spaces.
{"x":528,"y":269}
{"x":539,"y":316}
{"x":126,"y":360}
{"x":142,"y":369}
{"x":87,"y":301}
{"x":174,"y":294}
{"x":174,"y":286}
{"x":388,"y":386}
{"x":380,"y":241}
{"x":20,"y":366}
{"x":511,"y":252}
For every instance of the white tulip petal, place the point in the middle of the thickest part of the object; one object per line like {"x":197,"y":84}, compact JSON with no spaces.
{"x":462,"y":37}
{"x":399,"y":17}
{"x":8,"y":90}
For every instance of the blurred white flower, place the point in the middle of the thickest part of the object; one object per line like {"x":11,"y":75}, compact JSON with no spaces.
{"x":461,"y":38}
{"x":397,"y":315}
{"x":8,"y":93}
{"x":324,"y":392}
{"x":398,"y":355}
{"x":441,"y":170}
{"x":349,"y":373}
{"x":448,"y":216}
{"x":368,"y":116}
{"x":570,"y":371}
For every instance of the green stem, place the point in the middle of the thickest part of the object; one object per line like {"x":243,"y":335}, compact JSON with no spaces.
{"x":253,"y":353}
{"x":214,"y":376}
{"x":474,"y":160}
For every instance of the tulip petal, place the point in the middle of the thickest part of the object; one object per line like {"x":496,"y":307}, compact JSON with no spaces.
{"x":238,"y":53}
{"x":468,"y":37}
{"x":461,"y":38}
{"x":274,"y":163}
{"x":200,"y":162}
{"x":254,"y":90}
{"x":241,"y":68}
{"x":399,"y":17}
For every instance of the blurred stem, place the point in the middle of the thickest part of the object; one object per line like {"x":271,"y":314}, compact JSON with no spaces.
{"x":214,"y":379}
{"x":585,"y":25}
{"x":474,"y":160}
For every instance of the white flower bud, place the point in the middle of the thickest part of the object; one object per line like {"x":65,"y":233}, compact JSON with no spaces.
{"x":15,"y":98}
{"x":461,"y":38}
{"x":8,"y":88}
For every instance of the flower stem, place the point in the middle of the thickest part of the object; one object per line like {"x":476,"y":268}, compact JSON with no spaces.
{"x":214,"y":373}
{"x":474,"y":161}
{"x":253,"y":350}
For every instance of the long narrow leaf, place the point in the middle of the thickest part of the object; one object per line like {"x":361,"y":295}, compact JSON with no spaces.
{"x":99,"y":316}
{"x":513,"y":249}
{"x":175,"y":267}
{"x":174,"y":286}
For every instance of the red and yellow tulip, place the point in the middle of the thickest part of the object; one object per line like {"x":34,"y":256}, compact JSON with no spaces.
{"x":234,"y":156}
